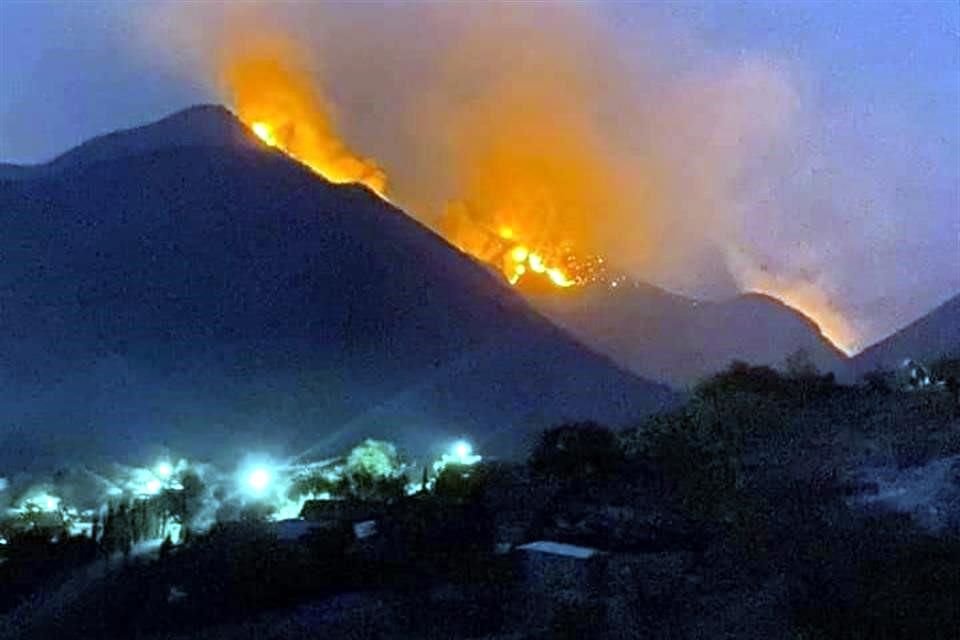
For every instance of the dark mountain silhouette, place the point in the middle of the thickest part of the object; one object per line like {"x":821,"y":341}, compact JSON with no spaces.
{"x":205,"y":125}
{"x":182,"y":284}
{"x":935,"y":335}
{"x":14,"y":171}
{"x":680,"y":340}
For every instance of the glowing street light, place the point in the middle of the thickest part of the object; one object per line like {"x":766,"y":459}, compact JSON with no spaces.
{"x":258,"y":480}
{"x":462,"y":453}
{"x":462,"y":450}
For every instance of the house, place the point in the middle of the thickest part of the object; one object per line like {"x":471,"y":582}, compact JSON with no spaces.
{"x":296,"y":530}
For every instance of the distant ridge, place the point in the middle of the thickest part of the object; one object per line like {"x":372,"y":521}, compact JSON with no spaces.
{"x":935,"y":335}
{"x":663,"y":336}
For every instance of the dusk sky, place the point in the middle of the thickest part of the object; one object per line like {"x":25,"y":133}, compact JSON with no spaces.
{"x":805,"y":148}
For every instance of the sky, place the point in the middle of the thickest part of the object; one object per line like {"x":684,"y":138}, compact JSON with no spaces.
{"x":810,"y":150}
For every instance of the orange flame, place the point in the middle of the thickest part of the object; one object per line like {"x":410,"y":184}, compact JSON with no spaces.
{"x":814,"y":303}
{"x":274,"y":95}
{"x":517,"y":259}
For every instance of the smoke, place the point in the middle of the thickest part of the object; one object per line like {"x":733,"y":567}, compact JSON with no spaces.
{"x":695,"y":170}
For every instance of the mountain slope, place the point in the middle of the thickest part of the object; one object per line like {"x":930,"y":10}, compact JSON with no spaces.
{"x":680,"y":340}
{"x":935,"y":335}
{"x":200,"y":126}
{"x":182,"y":284}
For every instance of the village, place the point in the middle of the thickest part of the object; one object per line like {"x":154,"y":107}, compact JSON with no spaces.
{"x":708,"y":513}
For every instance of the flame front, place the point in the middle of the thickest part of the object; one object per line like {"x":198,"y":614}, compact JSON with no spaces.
{"x":520,"y":255}
{"x":520,"y":260}
{"x":527,"y":209}
{"x":274,"y":95}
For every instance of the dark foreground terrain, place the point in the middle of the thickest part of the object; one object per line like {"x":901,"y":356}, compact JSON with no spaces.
{"x":769,"y":506}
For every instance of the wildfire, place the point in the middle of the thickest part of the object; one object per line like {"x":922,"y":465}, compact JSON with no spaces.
{"x":274,"y":95}
{"x":518,"y":255}
{"x":520,"y":260}
{"x":813,"y":303}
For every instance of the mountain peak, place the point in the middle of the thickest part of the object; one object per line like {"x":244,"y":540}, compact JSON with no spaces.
{"x":204,"y":125}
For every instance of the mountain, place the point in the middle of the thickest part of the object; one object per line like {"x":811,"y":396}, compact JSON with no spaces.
{"x":182,"y":285}
{"x":200,"y":126}
{"x":14,"y":171}
{"x":680,"y":340}
{"x":935,"y":335}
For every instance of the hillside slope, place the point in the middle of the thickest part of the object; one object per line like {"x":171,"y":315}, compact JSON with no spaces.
{"x":935,"y":335}
{"x":181,"y":284}
{"x":680,"y":340}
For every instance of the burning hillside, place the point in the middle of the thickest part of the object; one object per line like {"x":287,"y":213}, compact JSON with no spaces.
{"x":532,"y":231}
{"x":520,"y":255}
{"x":275,"y":99}
{"x":273,"y":94}
{"x":535,"y":188}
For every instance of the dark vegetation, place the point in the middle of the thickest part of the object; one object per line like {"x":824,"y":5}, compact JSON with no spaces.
{"x":728,"y":517}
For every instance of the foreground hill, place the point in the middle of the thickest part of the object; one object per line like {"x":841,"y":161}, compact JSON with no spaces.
{"x":181,"y":284}
{"x":681,"y":340}
{"x":935,"y":335}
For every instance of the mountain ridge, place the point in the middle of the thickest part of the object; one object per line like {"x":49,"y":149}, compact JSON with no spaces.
{"x":664,"y":336}
{"x":224,"y":295}
{"x":932,"y":336}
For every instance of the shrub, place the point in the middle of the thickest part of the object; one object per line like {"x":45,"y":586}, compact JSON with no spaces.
{"x":697,"y":460}
{"x":880,"y":381}
{"x":882,"y":581}
{"x":743,"y":377}
{"x":802,"y":384}
{"x":799,"y":366}
{"x":463,"y":482}
{"x":577,"y":451}
{"x":313,"y":483}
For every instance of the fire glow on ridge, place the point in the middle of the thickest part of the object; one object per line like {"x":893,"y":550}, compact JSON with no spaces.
{"x":273,"y":93}
{"x":527,"y":215}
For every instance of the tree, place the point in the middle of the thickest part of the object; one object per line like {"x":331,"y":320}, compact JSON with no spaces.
{"x":374,"y":471}
{"x":460,"y":482}
{"x":165,"y":547}
{"x":799,"y":365}
{"x":576,"y":451}
{"x":879,"y":381}
{"x":315,"y":482}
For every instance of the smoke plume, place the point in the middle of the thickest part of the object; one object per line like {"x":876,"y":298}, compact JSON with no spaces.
{"x":687,"y":169}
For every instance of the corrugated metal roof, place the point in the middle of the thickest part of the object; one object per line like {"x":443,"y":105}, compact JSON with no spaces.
{"x":560,"y":549}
